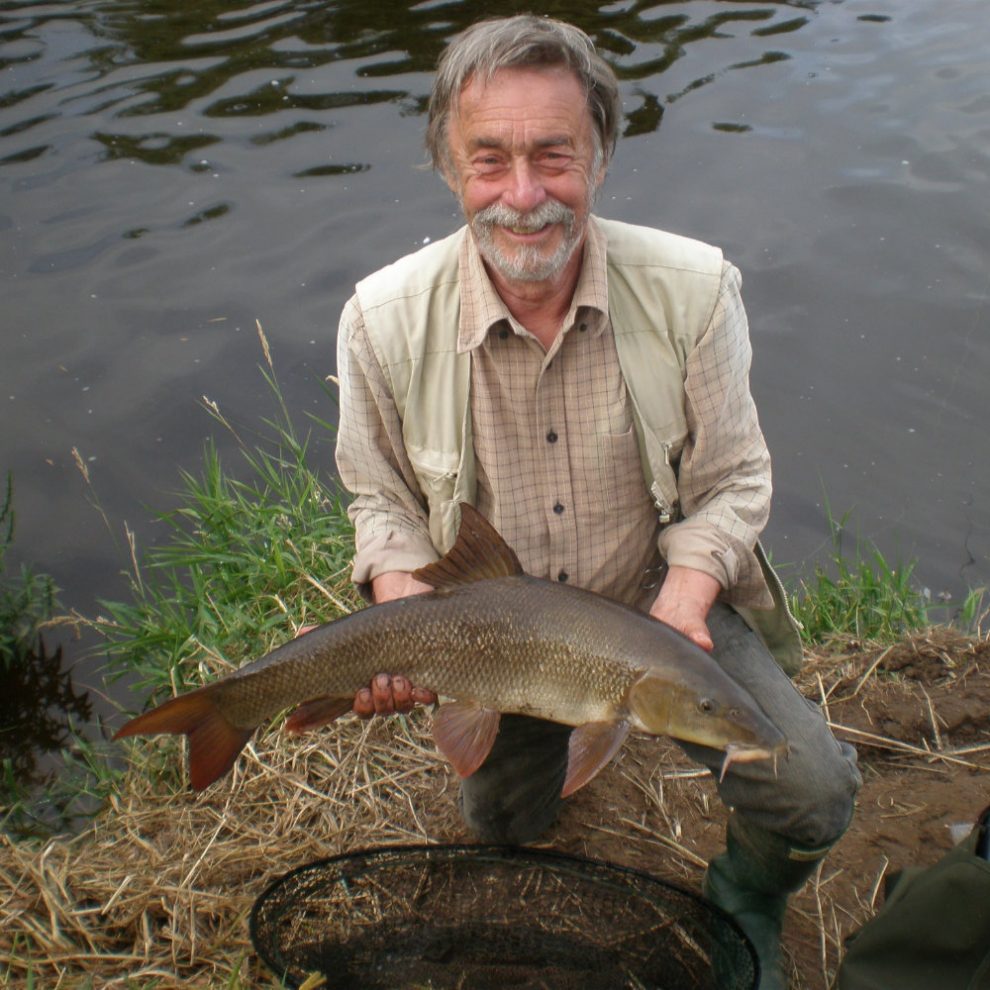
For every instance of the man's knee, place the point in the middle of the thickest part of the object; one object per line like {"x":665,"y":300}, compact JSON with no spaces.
{"x":820,"y":797}
{"x":502,"y":819}
{"x":514,"y":796}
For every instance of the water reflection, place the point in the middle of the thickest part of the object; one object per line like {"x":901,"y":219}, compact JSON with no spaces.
{"x":38,"y":700}
{"x":119,"y":61}
{"x":37,"y":705}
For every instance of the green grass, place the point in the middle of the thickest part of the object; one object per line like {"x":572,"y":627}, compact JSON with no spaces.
{"x":250,"y":554}
{"x":864,"y":596}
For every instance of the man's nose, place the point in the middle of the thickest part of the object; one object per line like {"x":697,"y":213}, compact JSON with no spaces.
{"x":525,"y":191}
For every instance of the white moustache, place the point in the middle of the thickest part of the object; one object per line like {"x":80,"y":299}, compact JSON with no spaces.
{"x":500,"y":215}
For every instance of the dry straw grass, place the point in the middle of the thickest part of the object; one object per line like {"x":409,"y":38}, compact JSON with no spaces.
{"x":156,"y":893}
{"x":161,"y":885}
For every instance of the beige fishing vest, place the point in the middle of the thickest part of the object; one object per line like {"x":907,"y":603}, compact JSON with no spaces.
{"x":662,"y":290}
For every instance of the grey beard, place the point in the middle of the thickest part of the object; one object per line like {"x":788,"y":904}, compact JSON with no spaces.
{"x":525,"y":264}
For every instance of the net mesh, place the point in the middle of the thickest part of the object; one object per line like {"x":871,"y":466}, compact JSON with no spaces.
{"x":480,"y":917}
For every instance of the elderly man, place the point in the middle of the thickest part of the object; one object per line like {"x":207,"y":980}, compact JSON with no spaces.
{"x":583,"y":383}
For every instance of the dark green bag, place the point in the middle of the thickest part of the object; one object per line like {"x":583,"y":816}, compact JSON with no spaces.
{"x":933,"y":931}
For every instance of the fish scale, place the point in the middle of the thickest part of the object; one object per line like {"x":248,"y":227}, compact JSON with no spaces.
{"x":469,"y":643}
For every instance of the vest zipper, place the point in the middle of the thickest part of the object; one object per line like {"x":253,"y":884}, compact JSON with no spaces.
{"x":664,"y":507}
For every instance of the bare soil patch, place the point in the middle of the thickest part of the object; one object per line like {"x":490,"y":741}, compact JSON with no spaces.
{"x":159,"y":888}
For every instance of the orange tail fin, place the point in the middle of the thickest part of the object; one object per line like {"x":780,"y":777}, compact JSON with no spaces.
{"x":213,"y":742}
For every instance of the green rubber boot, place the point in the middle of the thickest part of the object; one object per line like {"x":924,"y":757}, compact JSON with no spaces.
{"x":751,"y":881}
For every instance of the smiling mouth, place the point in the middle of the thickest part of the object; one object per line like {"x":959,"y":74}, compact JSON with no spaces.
{"x":527,"y":229}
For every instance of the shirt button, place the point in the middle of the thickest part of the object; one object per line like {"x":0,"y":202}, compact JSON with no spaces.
{"x":583,"y":327}
{"x":558,"y":508}
{"x":551,"y":437}
{"x":562,"y":576}
{"x":503,"y":334}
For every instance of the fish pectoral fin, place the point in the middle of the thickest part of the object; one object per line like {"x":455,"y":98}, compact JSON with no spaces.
{"x":316,"y":712}
{"x":591,"y":747}
{"x":214,"y":742}
{"x":464,"y":732}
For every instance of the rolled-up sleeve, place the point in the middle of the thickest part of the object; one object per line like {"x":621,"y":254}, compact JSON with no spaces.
{"x":724,"y":478}
{"x":388,"y":512}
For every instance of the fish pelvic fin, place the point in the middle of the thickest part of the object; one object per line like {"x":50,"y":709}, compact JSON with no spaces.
{"x":316,"y":712}
{"x":464,"y":732}
{"x":591,"y":747}
{"x":479,"y":552}
{"x":213,"y":741}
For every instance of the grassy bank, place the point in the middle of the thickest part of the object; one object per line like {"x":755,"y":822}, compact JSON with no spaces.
{"x":155,"y":892}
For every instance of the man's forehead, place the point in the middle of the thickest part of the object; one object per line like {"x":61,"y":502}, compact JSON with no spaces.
{"x":523,"y":95}
{"x":538,"y":77}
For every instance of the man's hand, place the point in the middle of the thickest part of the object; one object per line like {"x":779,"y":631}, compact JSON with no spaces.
{"x":684,"y":601}
{"x":386,"y":694}
{"x":396,"y":584}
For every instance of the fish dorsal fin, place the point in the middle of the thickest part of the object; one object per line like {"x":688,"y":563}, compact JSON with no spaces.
{"x":464,"y":732}
{"x":478,"y":553}
{"x":591,"y":747}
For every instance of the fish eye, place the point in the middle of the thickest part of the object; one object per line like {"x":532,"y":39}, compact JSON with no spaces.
{"x":706,"y":705}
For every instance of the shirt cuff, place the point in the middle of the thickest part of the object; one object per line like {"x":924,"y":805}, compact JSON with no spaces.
{"x":697,"y":544}
{"x":392,"y":550}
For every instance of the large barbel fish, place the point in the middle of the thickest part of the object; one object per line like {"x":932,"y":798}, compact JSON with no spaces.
{"x":496,"y":640}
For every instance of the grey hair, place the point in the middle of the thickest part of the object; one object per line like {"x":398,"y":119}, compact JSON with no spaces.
{"x":517,"y":42}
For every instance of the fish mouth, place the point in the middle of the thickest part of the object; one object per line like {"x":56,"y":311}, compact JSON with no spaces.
{"x":736,"y":753}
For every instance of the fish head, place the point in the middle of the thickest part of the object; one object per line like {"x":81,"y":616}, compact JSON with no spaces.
{"x":706,"y":708}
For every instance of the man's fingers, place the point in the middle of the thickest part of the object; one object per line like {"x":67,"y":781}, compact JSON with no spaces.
{"x":401,"y":693}
{"x":702,"y":638}
{"x":388,"y":695}
{"x":364,"y":705}
{"x":381,"y":694}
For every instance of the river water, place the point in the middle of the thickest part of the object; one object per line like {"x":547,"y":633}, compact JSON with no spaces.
{"x":172,"y":172}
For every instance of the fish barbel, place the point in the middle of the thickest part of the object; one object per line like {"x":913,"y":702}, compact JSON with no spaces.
{"x":495,"y":640}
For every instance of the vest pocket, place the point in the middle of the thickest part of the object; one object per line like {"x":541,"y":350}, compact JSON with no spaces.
{"x":621,"y":469}
{"x":436,"y":472}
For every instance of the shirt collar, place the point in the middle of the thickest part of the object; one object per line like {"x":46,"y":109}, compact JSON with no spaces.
{"x":482,"y":307}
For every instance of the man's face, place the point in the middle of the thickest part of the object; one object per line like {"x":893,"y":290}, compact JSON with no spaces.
{"x":523,"y":164}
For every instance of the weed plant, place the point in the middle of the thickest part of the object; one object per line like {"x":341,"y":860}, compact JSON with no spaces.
{"x":865,"y":597}
{"x":27,"y":599}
